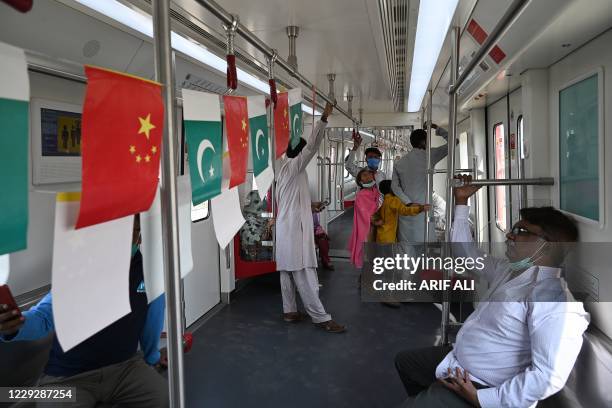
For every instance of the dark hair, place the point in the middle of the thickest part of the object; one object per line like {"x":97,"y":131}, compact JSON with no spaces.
{"x":293,"y":152}
{"x":557,"y":226}
{"x":372,"y":150}
{"x":418,"y":137}
{"x":385,"y":187}
{"x":358,"y":178}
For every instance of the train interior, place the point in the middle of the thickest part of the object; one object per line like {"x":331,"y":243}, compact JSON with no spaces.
{"x":549,"y":57}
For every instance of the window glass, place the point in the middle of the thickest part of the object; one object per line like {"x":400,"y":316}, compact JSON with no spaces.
{"x":500,"y":173}
{"x":579,"y":148}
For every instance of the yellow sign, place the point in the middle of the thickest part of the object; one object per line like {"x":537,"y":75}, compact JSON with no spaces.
{"x":69,"y":134}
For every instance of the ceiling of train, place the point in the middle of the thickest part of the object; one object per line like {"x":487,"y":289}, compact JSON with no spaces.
{"x":340,"y":36}
{"x":345,"y":37}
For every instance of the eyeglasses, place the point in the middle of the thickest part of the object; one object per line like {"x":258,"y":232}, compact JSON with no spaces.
{"x":518,"y":230}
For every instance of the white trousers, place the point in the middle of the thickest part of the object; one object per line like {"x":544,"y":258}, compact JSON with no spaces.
{"x":307,"y":284}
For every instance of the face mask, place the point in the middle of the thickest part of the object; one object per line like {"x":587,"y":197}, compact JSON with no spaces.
{"x":135,"y":248}
{"x":528,"y":262}
{"x":368,"y":185}
{"x":373,"y":163}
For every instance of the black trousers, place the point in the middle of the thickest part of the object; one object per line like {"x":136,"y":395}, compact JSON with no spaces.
{"x":417,"y":370}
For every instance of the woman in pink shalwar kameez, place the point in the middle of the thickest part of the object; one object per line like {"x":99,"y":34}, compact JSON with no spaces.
{"x":367,"y":202}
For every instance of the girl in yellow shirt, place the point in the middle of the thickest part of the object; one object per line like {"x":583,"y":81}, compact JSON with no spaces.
{"x":389,"y":213}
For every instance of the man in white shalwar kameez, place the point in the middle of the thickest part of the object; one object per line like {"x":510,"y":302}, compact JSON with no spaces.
{"x":296,"y":257}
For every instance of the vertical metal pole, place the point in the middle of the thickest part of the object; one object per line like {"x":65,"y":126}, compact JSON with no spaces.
{"x":164,"y":73}
{"x":450,"y":170}
{"x":429,"y":169}
{"x":342,"y":171}
{"x":272,"y":134}
{"x":476,"y":202}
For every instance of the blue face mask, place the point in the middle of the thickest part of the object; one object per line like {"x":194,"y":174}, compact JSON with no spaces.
{"x":521,"y":265}
{"x":368,"y":185}
{"x":373,"y":163}
{"x":528,"y":262}
{"x":135,"y":248}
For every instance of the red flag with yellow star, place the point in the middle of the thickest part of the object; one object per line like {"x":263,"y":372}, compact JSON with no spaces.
{"x":123,"y":121}
{"x":237,"y":125}
{"x":281,"y":123}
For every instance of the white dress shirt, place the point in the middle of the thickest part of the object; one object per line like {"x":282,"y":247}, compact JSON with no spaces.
{"x":351,"y":166}
{"x":524,"y":350}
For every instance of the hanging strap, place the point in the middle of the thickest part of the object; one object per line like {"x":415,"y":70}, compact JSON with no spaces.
{"x":232,"y":73}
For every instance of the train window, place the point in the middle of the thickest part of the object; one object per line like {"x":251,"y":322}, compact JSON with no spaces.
{"x":346,"y":153}
{"x":199,"y":212}
{"x":579,"y":148}
{"x":520,"y":123}
{"x":501,"y":214}
{"x":463,"y":151}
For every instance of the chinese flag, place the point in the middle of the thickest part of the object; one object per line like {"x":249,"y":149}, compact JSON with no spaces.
{"x":123,"y":121}
{"x":237,"y":125}
{"x":281,"y":123}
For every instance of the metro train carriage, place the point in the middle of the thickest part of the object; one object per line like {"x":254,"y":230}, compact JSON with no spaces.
{"x":342,"y":203}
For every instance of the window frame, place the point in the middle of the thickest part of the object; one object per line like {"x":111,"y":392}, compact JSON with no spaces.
{"x":497,"y":188}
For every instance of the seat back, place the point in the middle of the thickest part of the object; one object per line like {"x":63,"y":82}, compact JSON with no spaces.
{"x":589,"y":383}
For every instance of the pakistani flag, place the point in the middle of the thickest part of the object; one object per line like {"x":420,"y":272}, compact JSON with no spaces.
{"x":260,"y":144}
{"x":295,"y":114}
{"x":14,"y":105}
{"x":202,"y":120}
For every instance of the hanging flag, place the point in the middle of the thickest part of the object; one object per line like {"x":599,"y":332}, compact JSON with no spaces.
{"x":14,"y":105}
{"x":202,"y":121}
{"x":151,"y":247}
{"x":123,"y":121}
{"x":90,"y":266}
{"x":237,"y":126}
{"x":295,"y":113}
{"x":281,"y":123}
{"x":260,"y":144}
{"x":227,"y":216}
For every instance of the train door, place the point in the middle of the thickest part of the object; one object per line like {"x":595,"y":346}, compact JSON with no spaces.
{"x":515,"y":116}
{"x":202,"y":287}
{"x":499,"y":166}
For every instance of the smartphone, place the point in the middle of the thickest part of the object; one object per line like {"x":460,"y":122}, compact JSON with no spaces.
{"x":6,"y":298}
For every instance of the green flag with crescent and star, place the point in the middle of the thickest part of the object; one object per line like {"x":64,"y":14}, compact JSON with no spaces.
{"x":260,"y":143}
{"x":203,"y":133}
{"x":295,"y":115}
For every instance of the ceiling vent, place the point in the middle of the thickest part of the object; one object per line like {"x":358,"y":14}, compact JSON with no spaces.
{"x":394,"y":20}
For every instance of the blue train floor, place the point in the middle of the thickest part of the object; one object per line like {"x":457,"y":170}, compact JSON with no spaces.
{"x":247,"y":356}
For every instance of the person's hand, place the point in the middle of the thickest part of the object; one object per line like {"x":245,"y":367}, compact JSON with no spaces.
{"x":463,"y":193}
{"x":328,"y":111}
{"x":425,"y":207}
{"x":316,"y":206}
{"x":433,"y":126}
{"x":356,"y":140}
{"x":10,"y":320}
{"x":461,"y":384}
{"x":163,"y":359}
{"x":271,"y":222}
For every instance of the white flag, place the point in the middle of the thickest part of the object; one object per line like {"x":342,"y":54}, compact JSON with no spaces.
{"x":227,"y":216}
{"x":91,"y":266}
{"x":152,"y":249}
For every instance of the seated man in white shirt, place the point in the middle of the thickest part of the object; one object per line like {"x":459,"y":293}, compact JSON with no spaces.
{"x":510,"y":353}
